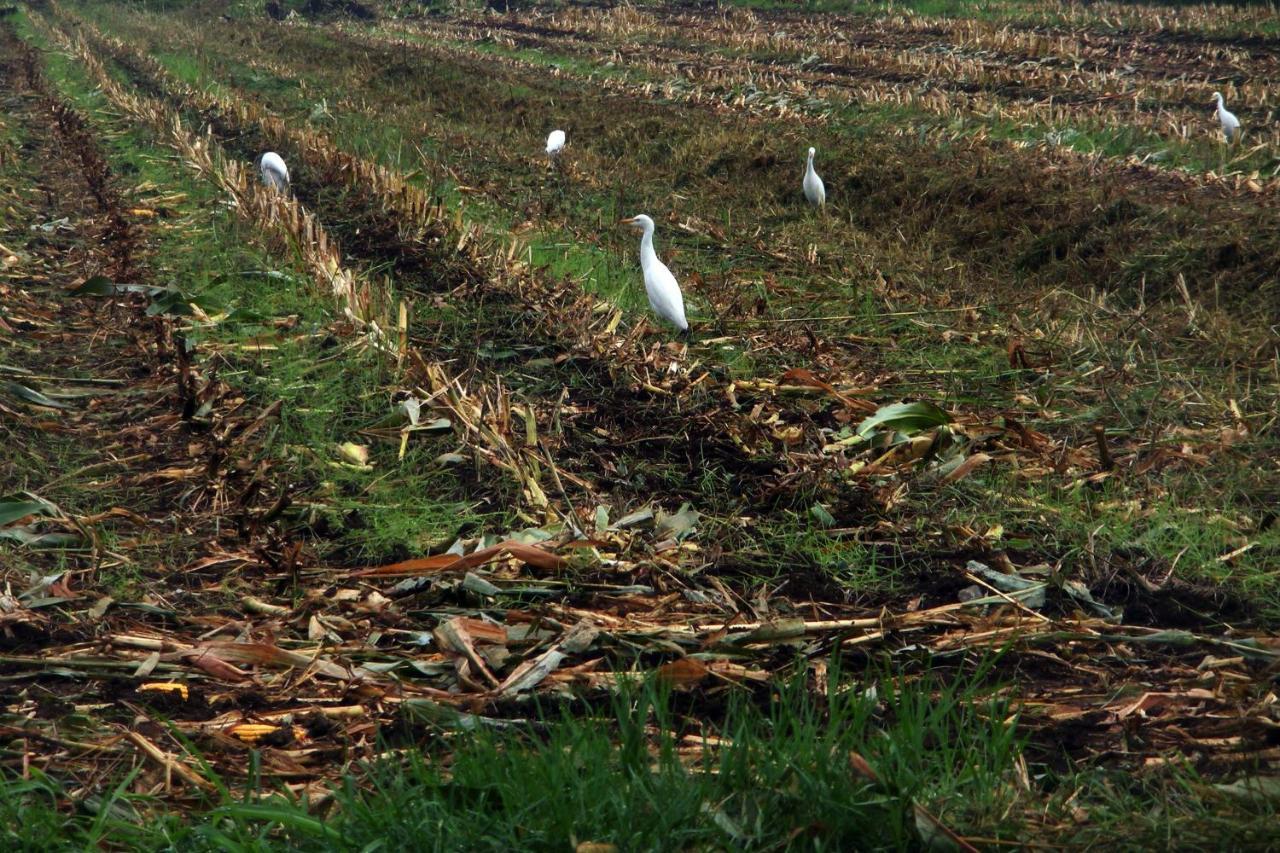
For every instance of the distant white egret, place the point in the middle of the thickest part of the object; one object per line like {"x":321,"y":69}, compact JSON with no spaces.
{"x":813,"y":187}
{"x":659,"y":284}
{"x":273,"y":170}
{"x":555,"y":142}
{"x":1230,"y":124}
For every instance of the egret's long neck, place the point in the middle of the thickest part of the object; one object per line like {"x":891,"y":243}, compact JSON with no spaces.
{"x":809,"y":165}
{"x":647,"y":255}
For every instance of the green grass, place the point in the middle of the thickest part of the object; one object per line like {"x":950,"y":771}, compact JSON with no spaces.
{"x":848,"y":564}
{"x":621,"y":775}
{"x":616,"y":776}
{"x":786,"y":771}
{"x":1090,"y":526}
{"x":329,"y":390}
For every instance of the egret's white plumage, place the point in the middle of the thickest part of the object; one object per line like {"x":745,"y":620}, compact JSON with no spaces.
{"x":1230,"y":124}
{"x":555,"y":141}
{"x":659,"y":284}
{"x":813,"y":187}
{"x":273,"y":170}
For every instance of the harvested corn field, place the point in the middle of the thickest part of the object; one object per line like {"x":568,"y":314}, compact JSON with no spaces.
{"x":378,"y":492}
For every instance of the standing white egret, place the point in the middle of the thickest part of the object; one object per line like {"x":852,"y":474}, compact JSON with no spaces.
{"x":273,"y":170}
{"x":1230,"y":124}
{"x":555,"y":142}
{"x":659,"y":284}
{"x":813,"y":187}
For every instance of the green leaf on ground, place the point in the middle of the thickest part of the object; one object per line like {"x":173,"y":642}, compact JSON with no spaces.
{"x":12,"y":510}
{"x":905,"y":418}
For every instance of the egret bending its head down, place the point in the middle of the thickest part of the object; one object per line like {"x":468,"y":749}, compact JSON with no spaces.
{"x":1230,"y":124}
{"x":813,"y":187}
{"x":273,"y":170}
{"x":555,"y":142}
{"x":659,"y":284}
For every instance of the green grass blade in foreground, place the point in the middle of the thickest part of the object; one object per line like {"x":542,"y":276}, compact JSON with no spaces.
{"x":783,"y":774}
{"x":631,"y":773}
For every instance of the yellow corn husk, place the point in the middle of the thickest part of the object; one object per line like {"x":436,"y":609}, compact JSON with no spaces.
{"x":165,"y":687}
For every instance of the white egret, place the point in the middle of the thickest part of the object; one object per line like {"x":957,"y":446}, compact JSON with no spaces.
{"x":555,"y":142}
{"x":659,"y":284}
{"x":273,"y":170}
{"x":813,"y":187}
{"x":1230,"y":124}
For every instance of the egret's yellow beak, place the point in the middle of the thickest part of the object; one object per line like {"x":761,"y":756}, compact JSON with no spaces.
{"x":630,"y":220}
